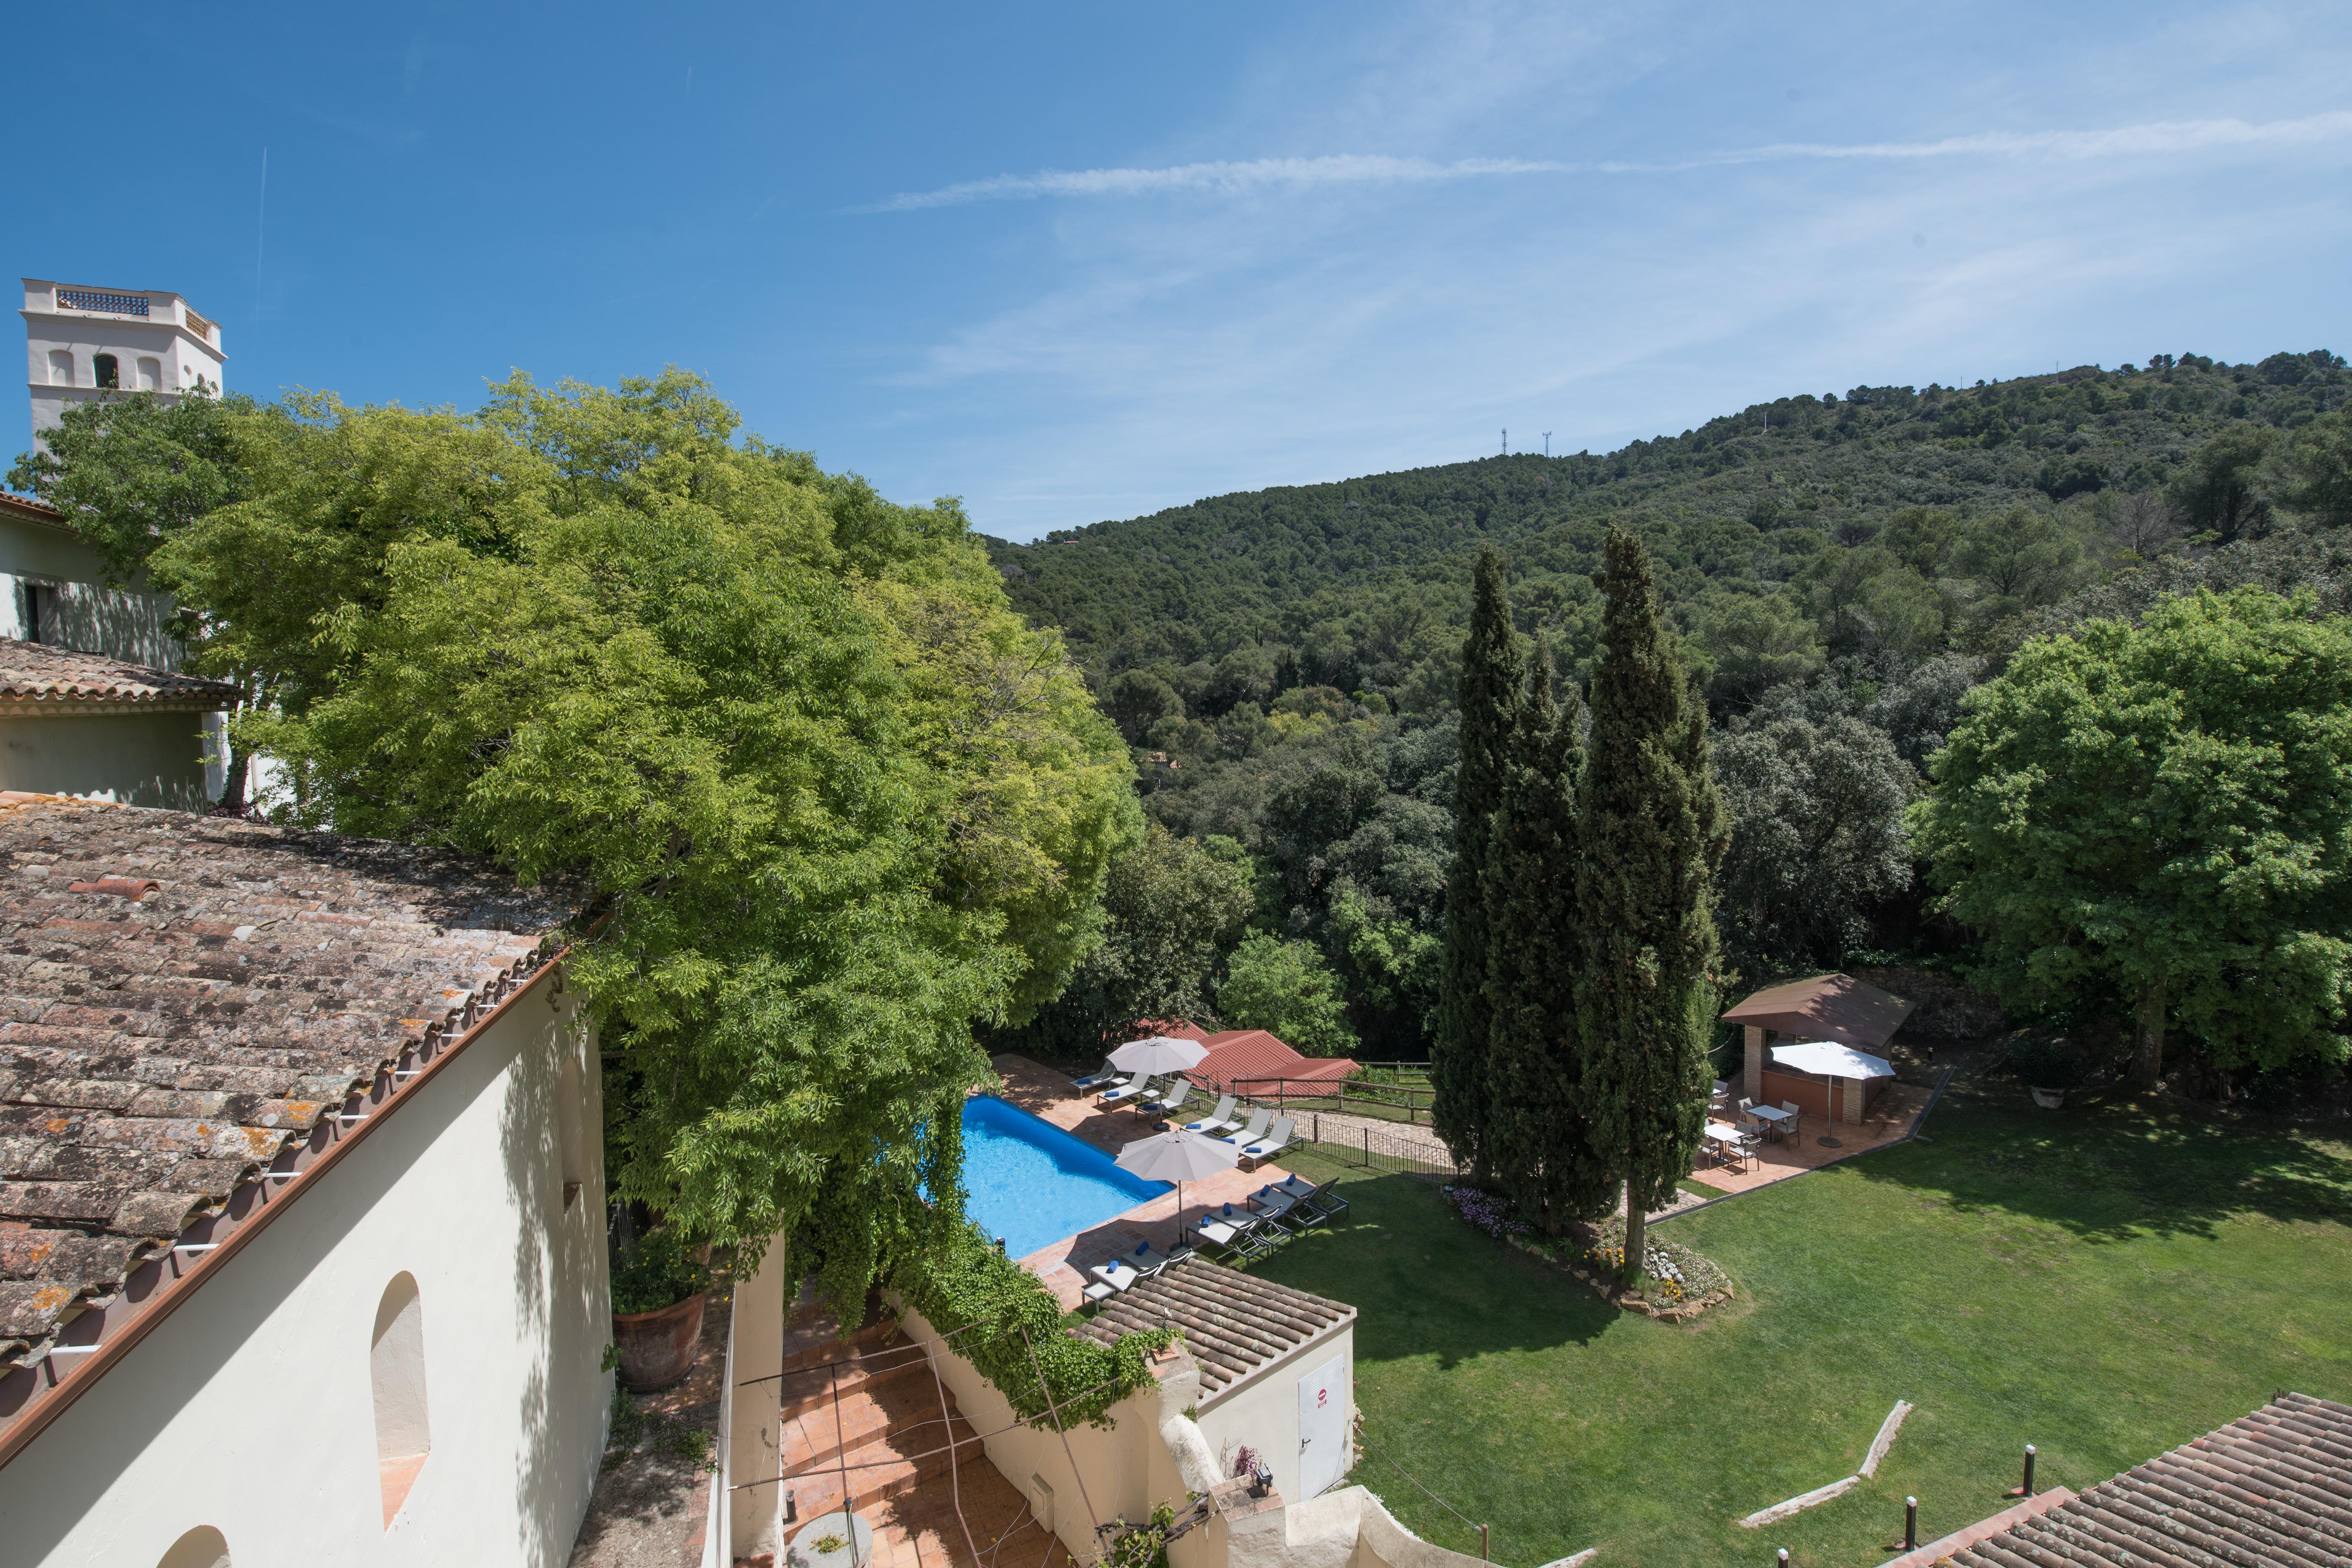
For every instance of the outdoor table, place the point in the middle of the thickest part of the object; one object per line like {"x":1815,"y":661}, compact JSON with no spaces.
{"x":1770,"y":1115}
{"x":1728,"y":1136}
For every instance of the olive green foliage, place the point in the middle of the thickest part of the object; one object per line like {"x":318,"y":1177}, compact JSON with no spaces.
{"x":1536,"y":1136}
{"x":1489,"y":703}
{"x":1142,"y":1546}
{"x":829,"y":800}
{"x":1170,"y":908}
{"x":128,"y":470}
{"x":2161,"y":815}
{"x":1651,"y":831}
{"x":1286,"y":987}
{"x":657,"y":1269}
{"x":1865,"y":548}
{"x":1003,"y":1319}
{"x":1816,"y":809}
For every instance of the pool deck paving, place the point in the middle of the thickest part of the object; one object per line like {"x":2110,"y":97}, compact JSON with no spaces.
{"x":1063,"y":1264}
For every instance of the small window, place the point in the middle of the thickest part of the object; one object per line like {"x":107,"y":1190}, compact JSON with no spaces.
{"x":404,"y":1432}
{"x":44,"y":618}
{"x":151,"y":374}
{"x":109,"y":373}
{"x":61,"y":367}
{"x":202,"y":1547}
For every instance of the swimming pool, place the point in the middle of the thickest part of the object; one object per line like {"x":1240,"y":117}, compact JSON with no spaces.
{"x":1027,"y":1181}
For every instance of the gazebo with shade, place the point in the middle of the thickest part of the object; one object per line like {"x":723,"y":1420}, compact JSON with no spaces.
{"x":1836,"y":1010}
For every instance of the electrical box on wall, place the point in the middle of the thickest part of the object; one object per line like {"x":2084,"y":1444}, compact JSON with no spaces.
{"x":1041,"y":1502}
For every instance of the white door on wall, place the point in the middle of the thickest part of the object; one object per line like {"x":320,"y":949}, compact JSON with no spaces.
{"x":1322,"y":1426}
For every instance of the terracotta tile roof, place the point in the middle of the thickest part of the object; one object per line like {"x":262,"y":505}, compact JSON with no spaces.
{"x":1826,"y":1007}
{"x":1234,"y":1323}
{"x":35,"y":673}
{"x":25,"y":508}
{"x":185,"y":999}
{"x":1238,"y":1054}
{"x":2272,"y":1490}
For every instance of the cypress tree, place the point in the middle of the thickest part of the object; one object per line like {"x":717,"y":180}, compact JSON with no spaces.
{"x":1651,"y":832}
{"x":1489,"y":700}
{"x":1538,"y":1144}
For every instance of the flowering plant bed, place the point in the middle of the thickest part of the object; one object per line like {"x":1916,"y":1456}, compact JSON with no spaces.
{"x":1681,"y":1285}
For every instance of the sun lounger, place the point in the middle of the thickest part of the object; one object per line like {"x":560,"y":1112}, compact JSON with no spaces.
{"x":1325,"y":1198}
{"x":1164,"y":1103}
{"x":1273,"y":1205}
{"x":1237,"y":1237}
{"x":1218,"y":1121}
{"x":1118,"y":1273}
{"x":1140,"y":1084}
{"x":1255,"y":1130}
{"x":1273,"y":1143}
{"x":1097,"y":1078}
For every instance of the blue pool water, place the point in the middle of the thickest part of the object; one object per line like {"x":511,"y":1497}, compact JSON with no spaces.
{"x":1030,"y":1183}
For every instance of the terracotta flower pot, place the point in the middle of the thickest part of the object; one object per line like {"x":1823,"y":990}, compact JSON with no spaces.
{"x":657,"y":1348}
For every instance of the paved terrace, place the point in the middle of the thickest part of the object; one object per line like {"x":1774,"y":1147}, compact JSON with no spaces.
{"x":1892,"y":1118}
{"x":1043,"y":1092}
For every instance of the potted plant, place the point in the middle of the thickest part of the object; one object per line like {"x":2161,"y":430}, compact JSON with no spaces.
{"x":2050,"y":1064}
{"x":658,"y":1281}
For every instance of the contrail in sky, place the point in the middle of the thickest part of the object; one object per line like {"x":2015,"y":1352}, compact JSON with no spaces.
{"x":1236,"y":178}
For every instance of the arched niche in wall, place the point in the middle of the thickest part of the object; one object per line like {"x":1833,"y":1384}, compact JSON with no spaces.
{"x":403,"y":1427}
{"x":202,"y":1547}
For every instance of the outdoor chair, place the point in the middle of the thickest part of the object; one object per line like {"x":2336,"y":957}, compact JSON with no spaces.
{"x":1165,"y":1103}
{"x":1140,"y":1084}
{"x":1255,"y":1131}
{"x":1218,"y":1121}
{"x":1273,"y":1143}
{"x":1097,"y":1078}
{"x":1796,"y":1120}
{"x":1741,"y":1117}
{"x":1722,"y":1093}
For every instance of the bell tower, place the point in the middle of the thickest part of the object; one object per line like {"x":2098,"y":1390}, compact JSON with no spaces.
{"x":83,"y":343}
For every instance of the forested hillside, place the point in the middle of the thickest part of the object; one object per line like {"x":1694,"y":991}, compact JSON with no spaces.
{"x":1842,"y":568}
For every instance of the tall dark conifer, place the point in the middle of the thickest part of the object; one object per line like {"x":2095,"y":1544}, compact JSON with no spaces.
{"x":1538,"y":1145}
{"x":1489,"y":697}
{"x":1651,"y":832}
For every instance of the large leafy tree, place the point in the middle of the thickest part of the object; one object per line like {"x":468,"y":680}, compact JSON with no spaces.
{"x":1170,"y":910}
{"x":1651,"y":831}
{"x":1816,"y":814}
{"x":832,"y":799}
{"x":1288,"y":989}
{"x":1537,"y":1140}
{"x":2164,"y":813}
{"x":1489,"y":702}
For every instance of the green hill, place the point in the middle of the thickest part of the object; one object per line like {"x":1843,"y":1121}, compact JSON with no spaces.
{"x":1284,"y":661}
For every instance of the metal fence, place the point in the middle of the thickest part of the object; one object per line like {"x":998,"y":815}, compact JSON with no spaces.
{"x":1353,"y":1143}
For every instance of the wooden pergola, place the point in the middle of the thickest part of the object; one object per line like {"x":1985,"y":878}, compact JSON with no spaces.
{"x":1826,"y":1007}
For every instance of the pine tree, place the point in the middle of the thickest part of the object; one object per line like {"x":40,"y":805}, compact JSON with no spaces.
{"x":1537,"y":1142}
{"x":1490,"y":699}
{"x":1651,"y":831}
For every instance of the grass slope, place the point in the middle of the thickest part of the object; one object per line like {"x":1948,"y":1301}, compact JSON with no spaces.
{"x":2105,"y":1282}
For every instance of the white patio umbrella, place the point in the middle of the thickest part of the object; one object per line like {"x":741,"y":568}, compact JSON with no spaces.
{"x":1180,"y":1157}
{"x":1832,"y":1061}
{"x":1159,"y":1054}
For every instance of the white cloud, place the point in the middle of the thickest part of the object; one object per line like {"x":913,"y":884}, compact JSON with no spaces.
{"x":1222,"y":178}
{"x":1239,"y":178}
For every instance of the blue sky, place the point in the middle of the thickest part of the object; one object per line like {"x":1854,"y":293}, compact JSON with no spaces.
{"x":1072,"y":262}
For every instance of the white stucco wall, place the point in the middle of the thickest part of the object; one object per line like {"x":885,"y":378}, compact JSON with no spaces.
{"x":1262,"y":1412}
{"x":88,"y":616}
{"x":129,"y":757}
{"x":249,"y":1409}
{"x":62,"y":344}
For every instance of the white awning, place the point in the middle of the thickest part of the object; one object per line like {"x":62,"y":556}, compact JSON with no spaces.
{"x":1831,"y":1059}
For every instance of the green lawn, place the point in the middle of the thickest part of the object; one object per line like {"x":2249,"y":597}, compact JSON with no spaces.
{"x":2099,"y":1282}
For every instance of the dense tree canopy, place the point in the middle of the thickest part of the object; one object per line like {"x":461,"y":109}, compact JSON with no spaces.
{"x":828,"y":798}
{"x":2161,"y":815}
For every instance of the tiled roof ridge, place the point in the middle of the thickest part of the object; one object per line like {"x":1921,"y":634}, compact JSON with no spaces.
{"x":1232,"y":1322}
{"x":38,"y":674}
{"x":2274,"y":1486}
{"x":151,"y":1069}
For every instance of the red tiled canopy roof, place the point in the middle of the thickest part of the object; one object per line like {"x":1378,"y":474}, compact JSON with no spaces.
{"x":1826,"y":1007}
{"x":36,"y":675}
{"x":1236,"y":1055}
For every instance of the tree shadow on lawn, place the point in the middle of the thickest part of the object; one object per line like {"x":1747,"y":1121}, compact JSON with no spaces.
{"x":2109,"y":1168}
{"x":1424,"y":1282}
